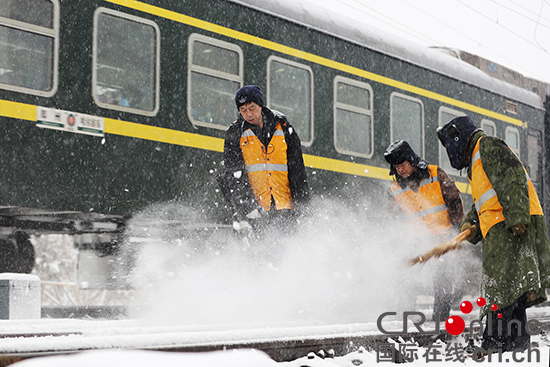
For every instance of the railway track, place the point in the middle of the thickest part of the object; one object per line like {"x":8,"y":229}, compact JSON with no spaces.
{"x":281,"y":344}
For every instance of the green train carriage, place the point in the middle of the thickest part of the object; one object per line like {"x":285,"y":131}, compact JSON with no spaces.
{"x":108,"y":107}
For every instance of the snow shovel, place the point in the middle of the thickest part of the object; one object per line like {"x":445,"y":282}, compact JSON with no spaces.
{"x":442,"y":249}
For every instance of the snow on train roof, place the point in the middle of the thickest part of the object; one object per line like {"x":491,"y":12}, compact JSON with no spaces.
{"x":378,"y":40}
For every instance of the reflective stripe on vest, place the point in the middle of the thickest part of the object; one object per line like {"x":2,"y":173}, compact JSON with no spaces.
{"x":488,"y":208}
{"x":427,"y":206}
{"x":267,"y":168}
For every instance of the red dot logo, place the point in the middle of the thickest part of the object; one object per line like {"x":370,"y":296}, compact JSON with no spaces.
{"x":466,"y":307}
{"x":71,"y":120}
{"x":455,"y":325}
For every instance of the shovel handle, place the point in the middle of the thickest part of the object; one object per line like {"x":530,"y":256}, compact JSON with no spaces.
{"x":462,"y":235}
{"x":443,"y":248}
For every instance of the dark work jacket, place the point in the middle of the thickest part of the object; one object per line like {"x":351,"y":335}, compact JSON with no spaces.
{"x":233,"y":179}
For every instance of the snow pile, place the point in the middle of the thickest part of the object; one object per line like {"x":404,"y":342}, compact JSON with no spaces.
{"x":117,"y":358}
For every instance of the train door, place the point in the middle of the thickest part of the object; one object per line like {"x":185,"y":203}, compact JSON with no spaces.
{"x":534,"y":160}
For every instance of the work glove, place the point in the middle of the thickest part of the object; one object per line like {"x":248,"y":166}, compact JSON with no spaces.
{"x":255,"y":214}
{"x":518,"y":229}
{"x":473,"y":232}
{"x":243,"y":228}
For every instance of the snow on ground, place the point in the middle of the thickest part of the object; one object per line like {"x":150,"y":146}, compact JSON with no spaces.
{"x":108,"y":358}
{"x":254,"y":358}
{"x":114,"y":341}
{"x":94,"y":334}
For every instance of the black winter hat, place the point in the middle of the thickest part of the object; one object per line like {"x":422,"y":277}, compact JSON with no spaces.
{"x":247,"y":94}
{"x":454,"y":136}
{"x":401,"y":151}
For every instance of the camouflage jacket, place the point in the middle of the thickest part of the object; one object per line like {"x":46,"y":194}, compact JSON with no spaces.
{"x":512,"y":266}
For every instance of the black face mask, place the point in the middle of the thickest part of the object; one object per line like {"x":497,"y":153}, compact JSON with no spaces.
{"x":454,"y":136}
{"x":449,"y":135}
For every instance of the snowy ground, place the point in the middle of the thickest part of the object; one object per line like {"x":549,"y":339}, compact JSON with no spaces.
{"x":94,"y":334}
{"x":114,"y":341}
{"x":254,"y":358}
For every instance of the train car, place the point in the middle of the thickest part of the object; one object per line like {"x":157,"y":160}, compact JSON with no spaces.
{"x":108,"y":107}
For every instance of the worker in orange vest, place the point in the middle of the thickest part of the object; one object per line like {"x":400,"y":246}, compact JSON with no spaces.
{"x":264,"y":178}
{"x":431,"y":202}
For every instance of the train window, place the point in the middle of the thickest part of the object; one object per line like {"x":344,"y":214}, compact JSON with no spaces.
{"x":353,"y":120}
{"x":445,"y":115}
{"x":489,"y":127}
{"x":512,"y":107}
{"x":29,"y":43}
{"x":534,"y":154}
{"x":290,"y":91}
{"x":215,"y":74}
{"x":407,"y":121}
{"x":126,"y":63}
{"x":512,"y":139}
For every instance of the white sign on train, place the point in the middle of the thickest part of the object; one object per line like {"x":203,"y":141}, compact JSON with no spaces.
{"x":79,"y":123}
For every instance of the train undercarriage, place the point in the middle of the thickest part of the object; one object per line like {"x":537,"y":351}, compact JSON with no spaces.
{"x":94,"y":233}
{"x":107,"y":244}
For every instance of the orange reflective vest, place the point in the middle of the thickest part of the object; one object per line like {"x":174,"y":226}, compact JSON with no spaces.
{"x":486,"y":201}
{"x":426,"y":207}
{"x":267,"y":168}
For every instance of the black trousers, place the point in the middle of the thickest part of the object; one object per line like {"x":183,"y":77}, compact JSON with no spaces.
{"x":508,"y":332}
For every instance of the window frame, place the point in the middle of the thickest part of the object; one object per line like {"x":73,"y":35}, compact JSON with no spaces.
{"x":211,"y":72}
{"x":422,"y":127}
{"x":43,"y":31}
{"x":491,"y":123}
{"x":98,"y":12}
{"x":516,"y":132}
{"x":298,"y":65}
{"x":354,"y":109}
